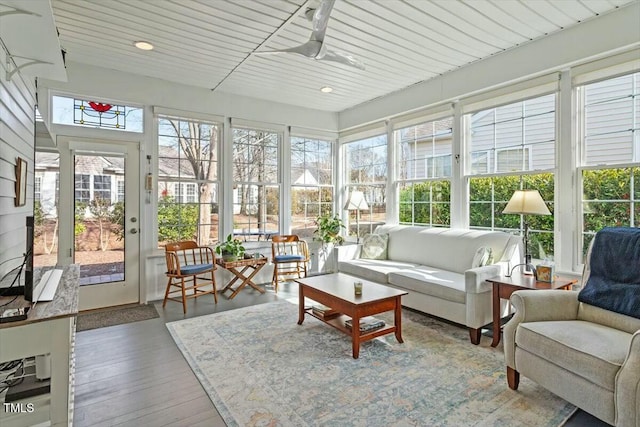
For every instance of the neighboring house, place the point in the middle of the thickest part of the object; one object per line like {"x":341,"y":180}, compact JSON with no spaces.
{"x":95,"y":177}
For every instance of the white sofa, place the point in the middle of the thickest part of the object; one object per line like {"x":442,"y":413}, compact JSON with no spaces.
{"x":434,"y":265}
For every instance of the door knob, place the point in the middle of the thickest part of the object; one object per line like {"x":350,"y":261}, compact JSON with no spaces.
{"x":134,"y":231}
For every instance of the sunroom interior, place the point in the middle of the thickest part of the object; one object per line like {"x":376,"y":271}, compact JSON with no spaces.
{"x":203,"y":144}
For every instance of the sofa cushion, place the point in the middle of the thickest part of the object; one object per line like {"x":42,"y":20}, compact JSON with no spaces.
{"x":592,"y":351}
{"x":374,"y":246}
{"x":482,"y":257}
{"x":431,"y":281}
{"x":372,"y":269}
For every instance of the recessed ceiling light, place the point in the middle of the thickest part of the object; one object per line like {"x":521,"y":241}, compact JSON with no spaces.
{"x":143,"y":45}
{"x":326,"y":89}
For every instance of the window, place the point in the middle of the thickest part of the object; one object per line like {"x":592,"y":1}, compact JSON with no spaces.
{"x":187,"y":180}
{"x":512,"y":147}
{"x":92,"y":113}
{"x":102,"y":187}
{"x":37,"y":187}
{"x":82,"y":188}
{"x":256,"y":189}
{"x":366,"y":171}
{"x":120,"y":184}
{"x":311,"y":183}
{"x":610,"y":164}
{"x":424,"y":171}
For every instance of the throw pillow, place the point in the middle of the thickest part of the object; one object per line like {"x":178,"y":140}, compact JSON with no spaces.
{"x":482,"y":257}
{"x":374,"y":246}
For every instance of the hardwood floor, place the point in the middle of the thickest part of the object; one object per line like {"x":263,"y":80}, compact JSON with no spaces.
{"x":134,"y":375}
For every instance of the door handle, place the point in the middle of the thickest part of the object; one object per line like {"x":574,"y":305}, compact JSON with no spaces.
{"x":134,"y":231}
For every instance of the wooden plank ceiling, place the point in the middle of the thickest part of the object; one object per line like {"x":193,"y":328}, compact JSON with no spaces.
{"x":212,"y":43}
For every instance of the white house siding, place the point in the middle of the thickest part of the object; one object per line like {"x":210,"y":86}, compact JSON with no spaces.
{"x":506,"y":133}
{"x":17,"y":102}
{"x":611,"y":117}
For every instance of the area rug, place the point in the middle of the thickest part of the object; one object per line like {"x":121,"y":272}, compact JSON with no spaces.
{"x":115,"y":316}
{"x":262,"y":369}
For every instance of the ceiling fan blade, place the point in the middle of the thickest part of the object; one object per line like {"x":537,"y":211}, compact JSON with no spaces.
{"x":342,"y":58}
{"x":309,"y":49}
{"x":321,"y":19}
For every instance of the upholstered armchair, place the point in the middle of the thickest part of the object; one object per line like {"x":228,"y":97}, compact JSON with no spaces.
{"x":585,"y":346}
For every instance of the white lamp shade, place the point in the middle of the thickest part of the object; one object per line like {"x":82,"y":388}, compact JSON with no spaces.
{"x":526,"y":202}
{"x":356,"y":201}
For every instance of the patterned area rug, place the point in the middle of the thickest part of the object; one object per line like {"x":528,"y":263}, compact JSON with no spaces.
{"x":115,"y":316}
{"x":262,"y":369}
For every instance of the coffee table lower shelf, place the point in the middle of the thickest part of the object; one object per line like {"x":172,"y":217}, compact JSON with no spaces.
{"x":338,"y":323}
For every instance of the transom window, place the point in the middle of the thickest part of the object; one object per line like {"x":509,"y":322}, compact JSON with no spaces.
{"x":96,"y":114}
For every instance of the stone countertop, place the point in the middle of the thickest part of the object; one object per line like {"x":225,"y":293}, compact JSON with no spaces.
{"x":64,"y":304}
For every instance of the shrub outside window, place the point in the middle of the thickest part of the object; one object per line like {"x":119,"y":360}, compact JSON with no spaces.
{"x":187,"y":180}
{"x":512,"y":147}
{"x":610,"y":164}
{"x":424,"y":171}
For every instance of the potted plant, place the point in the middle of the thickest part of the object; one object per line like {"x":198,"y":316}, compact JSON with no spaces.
{"x":328,"y":230}
{"x":328,"y":235}
{"x":231,"y":249}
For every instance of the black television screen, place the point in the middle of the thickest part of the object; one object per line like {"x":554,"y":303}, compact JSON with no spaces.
{"x":19,"y":280}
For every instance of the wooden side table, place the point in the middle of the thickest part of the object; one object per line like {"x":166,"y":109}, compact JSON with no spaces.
{"x":254,"y":264}
{"x":503,"y":287}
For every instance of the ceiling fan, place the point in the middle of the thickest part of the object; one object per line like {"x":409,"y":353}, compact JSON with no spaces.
{"x":316,"y":47}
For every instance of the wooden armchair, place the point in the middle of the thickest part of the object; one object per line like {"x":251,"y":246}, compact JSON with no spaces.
{"x":290,"y":256}
{"x":189,"y":267}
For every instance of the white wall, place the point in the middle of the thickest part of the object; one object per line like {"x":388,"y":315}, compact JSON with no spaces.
{"x":17,"y":101}
{"x":104,"y":84}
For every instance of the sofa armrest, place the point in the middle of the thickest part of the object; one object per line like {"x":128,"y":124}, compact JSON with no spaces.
{"x":348,"y":252}
{"x":474,"y":278}
{"x":536,"y":306}
{"x":627,"y":392}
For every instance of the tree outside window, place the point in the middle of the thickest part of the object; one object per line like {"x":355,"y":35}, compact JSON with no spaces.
{"x":256,"y":188}
{"x":311,"y":183}
{"x":187,"y":180}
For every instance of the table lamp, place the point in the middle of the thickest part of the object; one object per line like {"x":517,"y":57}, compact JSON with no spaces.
{"x":526,"y":202}
{"x":356,"y":202}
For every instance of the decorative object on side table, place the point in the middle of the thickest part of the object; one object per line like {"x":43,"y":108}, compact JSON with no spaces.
{"x":231,"y":249}
{"x":545,"y":272}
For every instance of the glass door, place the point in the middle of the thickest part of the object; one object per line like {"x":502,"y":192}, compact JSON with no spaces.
{"x":105,"y":223}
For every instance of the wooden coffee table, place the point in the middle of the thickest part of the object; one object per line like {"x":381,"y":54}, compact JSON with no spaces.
{"x":503,"y":287}
{"x":336,"y":291}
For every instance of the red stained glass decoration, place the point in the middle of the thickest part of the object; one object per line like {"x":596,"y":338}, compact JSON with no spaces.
{"x":100,"y":114}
